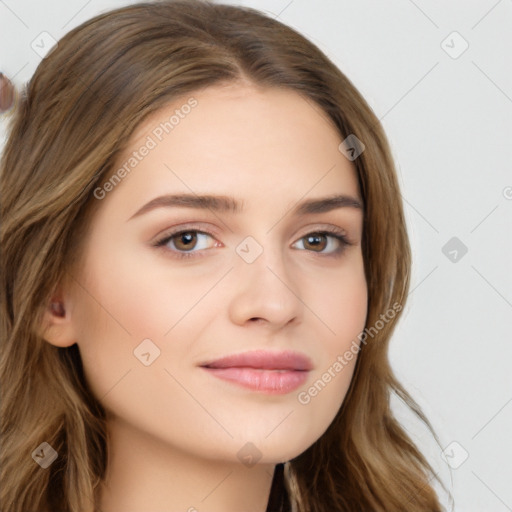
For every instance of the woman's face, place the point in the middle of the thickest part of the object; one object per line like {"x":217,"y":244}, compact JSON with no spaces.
{"x":150,"y":309}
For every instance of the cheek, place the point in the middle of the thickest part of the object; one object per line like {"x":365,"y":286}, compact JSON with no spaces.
{"x":341,"y":304}
{"x":143,"y":300}
{"x":348,"y":311}
{"x":345,"y":308}
{"x":120,"y":305}
{"x":115,"y":311}
{"x":155,"y":293}
{"x":340,"y":300}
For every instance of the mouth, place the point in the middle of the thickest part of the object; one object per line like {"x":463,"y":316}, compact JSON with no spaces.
{"x":262,"y":371}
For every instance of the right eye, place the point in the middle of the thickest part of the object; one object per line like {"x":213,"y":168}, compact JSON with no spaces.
{"x":185,"y":242}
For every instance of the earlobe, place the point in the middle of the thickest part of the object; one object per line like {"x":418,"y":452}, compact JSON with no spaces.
{"x":57,"y":328}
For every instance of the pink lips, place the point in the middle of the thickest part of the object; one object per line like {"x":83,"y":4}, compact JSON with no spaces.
{"x":264,"y":371}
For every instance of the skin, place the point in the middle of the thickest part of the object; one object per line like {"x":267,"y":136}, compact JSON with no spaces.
{"x":175,"y":430}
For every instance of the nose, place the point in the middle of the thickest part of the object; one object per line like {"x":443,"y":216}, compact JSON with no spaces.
{"x":266,"y":291}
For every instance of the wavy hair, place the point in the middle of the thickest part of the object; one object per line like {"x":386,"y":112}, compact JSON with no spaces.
{"x":73,"y":119}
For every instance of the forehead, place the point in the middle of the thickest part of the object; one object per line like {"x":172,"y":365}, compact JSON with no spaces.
{"x":243,"y":112}
{"x":270,"y":143}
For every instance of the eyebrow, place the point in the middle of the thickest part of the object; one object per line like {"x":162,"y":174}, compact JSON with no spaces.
{"x":230,"y":204}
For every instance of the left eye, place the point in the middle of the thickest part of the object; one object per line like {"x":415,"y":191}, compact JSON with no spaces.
{"x":318,"y":242}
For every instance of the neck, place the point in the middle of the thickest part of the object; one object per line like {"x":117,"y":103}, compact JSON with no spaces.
{"x":144,"y":473}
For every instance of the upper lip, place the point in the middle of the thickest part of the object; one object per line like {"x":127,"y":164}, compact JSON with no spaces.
{"x":262,"y":359}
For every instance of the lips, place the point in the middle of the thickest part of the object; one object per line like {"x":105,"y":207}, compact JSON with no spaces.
{"x":263,"y":360}
{"x":262,"y":371}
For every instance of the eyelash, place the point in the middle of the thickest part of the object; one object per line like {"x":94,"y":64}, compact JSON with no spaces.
{"x":339,"y":235}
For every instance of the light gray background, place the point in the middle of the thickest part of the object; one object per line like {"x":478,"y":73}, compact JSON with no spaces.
{"x":449,"y":122}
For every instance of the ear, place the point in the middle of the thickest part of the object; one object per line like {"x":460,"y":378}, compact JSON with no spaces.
{"x":57,"y":326}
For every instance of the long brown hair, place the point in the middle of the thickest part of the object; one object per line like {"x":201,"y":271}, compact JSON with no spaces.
{"x":73,"y":119}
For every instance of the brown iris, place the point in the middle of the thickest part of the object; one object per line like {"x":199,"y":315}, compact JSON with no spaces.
{"x":188,"y":239}
{"x":315,"y":241}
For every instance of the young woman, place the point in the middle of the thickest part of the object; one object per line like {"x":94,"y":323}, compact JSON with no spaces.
{"x":204,"y":258}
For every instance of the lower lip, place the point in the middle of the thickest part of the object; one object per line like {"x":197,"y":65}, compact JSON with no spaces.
{"x":265,"y":381}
